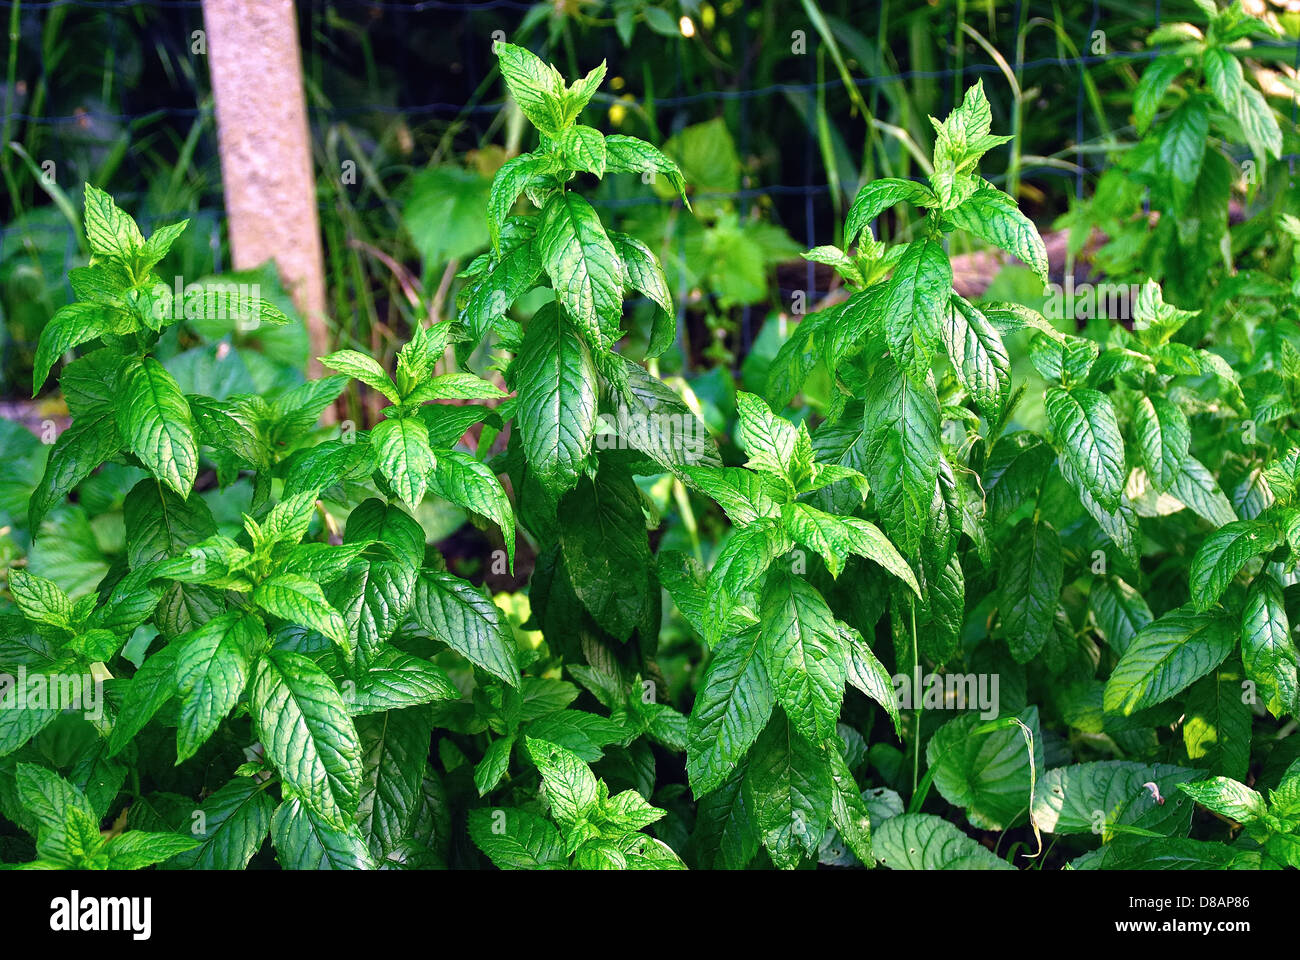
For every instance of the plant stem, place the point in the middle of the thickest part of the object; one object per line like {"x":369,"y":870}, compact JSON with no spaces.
{"x":916,"y":732}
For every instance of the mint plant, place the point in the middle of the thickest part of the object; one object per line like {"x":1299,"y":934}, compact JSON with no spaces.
{"x":1025,"y":531}
{"x":312,"y":673}
{"x":592,"y":831}
{"x":1005,"y":596}
{"x":1197,"y":103}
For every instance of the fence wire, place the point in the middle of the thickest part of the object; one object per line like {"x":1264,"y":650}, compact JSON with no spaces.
{"x":61,"y":134}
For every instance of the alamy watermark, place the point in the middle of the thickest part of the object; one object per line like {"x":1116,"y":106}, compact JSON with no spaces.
{"x":653,"y":431}
{"x":948,"y":691}
{"x":238,"y":302}
{"x":75,"y":914}
{"x":52,"y":691}
{"x":1084,"y":301}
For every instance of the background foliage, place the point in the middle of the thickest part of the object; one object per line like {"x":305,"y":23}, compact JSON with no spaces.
{"x":485,"y":620}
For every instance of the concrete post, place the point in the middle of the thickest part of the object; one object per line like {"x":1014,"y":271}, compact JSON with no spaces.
{"x":266,"y":161}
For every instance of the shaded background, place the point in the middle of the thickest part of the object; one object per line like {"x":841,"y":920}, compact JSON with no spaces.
{"x":765,"y":105}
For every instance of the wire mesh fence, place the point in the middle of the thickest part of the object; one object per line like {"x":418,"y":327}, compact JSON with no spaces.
{"x":170,"y":105}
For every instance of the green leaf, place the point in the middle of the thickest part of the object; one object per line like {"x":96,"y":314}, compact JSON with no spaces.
{"x":508,"y":183}
{"x":467,"y":482}
{"x":305,"y":841}
{"x":628,"y":812}
{"x":1156,"y":80}
{"x":1196,"y":487}
{"x":901,"y":430}
{"x":646,"y":277}
{"x":394,"y":755}
{"x":48,"y":797}
{"x":849,"y":814}
{"x":40,"y":600}
{"x":159,"y":245}
{"x":153,"y":418}
{"x":460,"y":616}
{"x":788,"y":788}
{"x":296,"y":410}
{"x":866,"y":673}
{"x":579,"y":93}
{"x":921,"y":841}
{"x":1227,"y":797}
{"x":447,"y":423}
{"x":136,"y":849}
{"x":1267,"y":651}
{"x":991,"y":774}
{"x":959,"y":143}
{"x":151,"y":687}
{"x":584,"y":734}
{"x":374,"y":596}
{"x":730,"y":711}
{"x":555,"y":381}
{"x":582,"y":148}
{"x":394,"y":680}
{"x":877,"y":197}
{"x":769,"y":440}
{"x":1029,"y":587}
{"x":516,"y":839}
{"x":583,"y":266}
{"x":494,"y":765}
{"x":403,"y":456}
{"x":1224,"y":75}
{"x":602,"y":533}
{"x":744,"y":495}
{"x":329,"y":463}
{"x":67,"y":825}
{"x":161,"y":525}
{"x":536,"y":86}
{"x":508,"y":277}
{"x":978,"y":356}
{"x":1164,"y":437}
{"x":1217,"y":722}
{"x":1182,"y":147}
{"x":78,"y":452}
{"x":917,"y":305}
{"x":456,"y":386}
{"x":304,"y":725}
{"x":288,"y":520}
{"x":233,"y":825}
{"x":377,"y":521}
{"x":1222,"y":555}
{"x":71,"y":326}
{"x":1166,"y":853}
{"x":569,"y":785}
{"x":629,"y":155}
{"x":363,"y":368}
{"x":211,"y":670}
{"x":1119,"y":612}
{"x":650,"y":418}
{"x":804,"y":655}
{"x":743,"y":559}
{"x":17,"y":727}
{"x":110,"y":231}
{"x":837,"y":538}
{"x":1121,"y":525}
{"x":1259,"y":124}
{"x":218,"y":429}
{"x":1094,"y":798}
{"x":1166,"y":657}
{"x":1087,"y":434}
{"x":726,"y":836}
{"x":299,"y":600}
{"x":991,"y":215}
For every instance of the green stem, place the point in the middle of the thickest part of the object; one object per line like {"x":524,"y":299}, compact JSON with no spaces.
{"x":11,"y":75}
{"x":916,"y":732}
